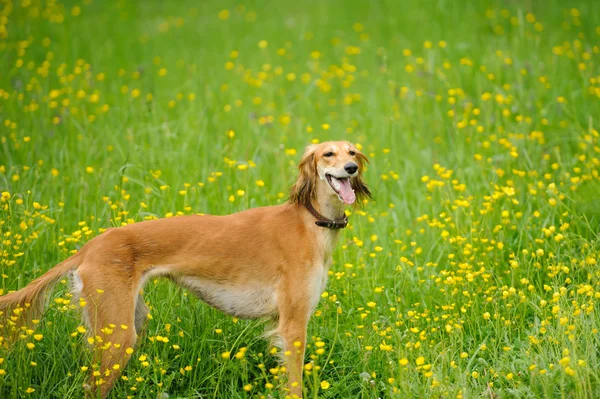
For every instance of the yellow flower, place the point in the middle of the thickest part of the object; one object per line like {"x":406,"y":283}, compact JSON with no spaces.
{"x":386,"y":348}
{"x":223,"y":15}
{"x":565,"y":361}
{"x":325,"y":385}
{"x":539,"y":252}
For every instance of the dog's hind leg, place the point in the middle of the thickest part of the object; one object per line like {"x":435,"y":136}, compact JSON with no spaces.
{"x":141,"y":314}
{"x":111,"y":314}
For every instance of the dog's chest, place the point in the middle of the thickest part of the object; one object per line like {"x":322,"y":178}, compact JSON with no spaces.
{"x":317,"y":284}
{"x":246,"y":301}
{"x":320,"y":272}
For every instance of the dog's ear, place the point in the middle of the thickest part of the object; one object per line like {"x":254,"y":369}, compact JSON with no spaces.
{"x":303,"y":191}
{"x":358,"y":184}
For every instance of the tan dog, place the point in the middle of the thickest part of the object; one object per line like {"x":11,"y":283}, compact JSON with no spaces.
{"x":264,"y":262}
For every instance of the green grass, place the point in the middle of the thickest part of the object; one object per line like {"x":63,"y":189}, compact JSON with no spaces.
{"x":473,"y":271}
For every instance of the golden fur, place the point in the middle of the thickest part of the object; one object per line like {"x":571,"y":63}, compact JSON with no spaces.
{"x":263,"y":262}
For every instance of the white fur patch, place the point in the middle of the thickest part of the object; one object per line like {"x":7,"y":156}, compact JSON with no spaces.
{"x":316,"y":284}
{"x":247,"y":300}
{"x":77,"y":290}
{"x":76,"y":282}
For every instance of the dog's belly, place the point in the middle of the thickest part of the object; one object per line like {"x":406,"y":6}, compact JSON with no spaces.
{"x":247,"y":301}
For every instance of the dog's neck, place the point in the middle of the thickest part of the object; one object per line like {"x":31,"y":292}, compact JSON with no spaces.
{"x":328,"y":205}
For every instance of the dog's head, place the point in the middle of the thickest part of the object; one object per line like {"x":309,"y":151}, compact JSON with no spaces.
{"x":336,"y":164}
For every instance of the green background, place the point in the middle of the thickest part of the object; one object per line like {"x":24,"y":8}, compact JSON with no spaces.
{"x":472,"y":272}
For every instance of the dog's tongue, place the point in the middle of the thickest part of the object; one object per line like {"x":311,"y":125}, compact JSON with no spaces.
{"x":346,"y":191}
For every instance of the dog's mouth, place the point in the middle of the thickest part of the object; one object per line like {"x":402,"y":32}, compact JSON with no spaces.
{"x":342,"y":187}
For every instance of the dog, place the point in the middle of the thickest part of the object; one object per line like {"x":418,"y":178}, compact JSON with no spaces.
{"x":268,"y":262}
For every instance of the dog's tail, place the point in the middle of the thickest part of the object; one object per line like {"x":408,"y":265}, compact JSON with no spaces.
{"x":20,"y":308}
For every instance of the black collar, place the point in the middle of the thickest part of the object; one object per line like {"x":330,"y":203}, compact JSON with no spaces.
{"x":322,"y":221}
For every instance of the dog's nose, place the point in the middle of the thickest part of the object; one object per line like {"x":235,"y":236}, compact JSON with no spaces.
{"x":351,"y":168}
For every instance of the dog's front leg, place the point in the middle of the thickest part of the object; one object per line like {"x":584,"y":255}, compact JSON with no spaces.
{"x":293,"y":320}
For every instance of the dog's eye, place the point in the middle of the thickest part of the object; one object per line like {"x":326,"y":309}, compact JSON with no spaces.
{"x":328,"y":154}
{"x":352,"y":153}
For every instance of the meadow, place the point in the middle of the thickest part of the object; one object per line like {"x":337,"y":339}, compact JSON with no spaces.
{"x":473,"y":272}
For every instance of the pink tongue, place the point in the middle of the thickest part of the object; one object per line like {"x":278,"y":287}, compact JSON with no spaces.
{"x":346,"y":191}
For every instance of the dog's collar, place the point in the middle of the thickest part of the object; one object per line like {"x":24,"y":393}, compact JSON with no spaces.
{"x":322,"y":221}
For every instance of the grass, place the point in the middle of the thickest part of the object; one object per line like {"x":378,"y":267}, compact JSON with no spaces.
{"x":473,"y":272}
